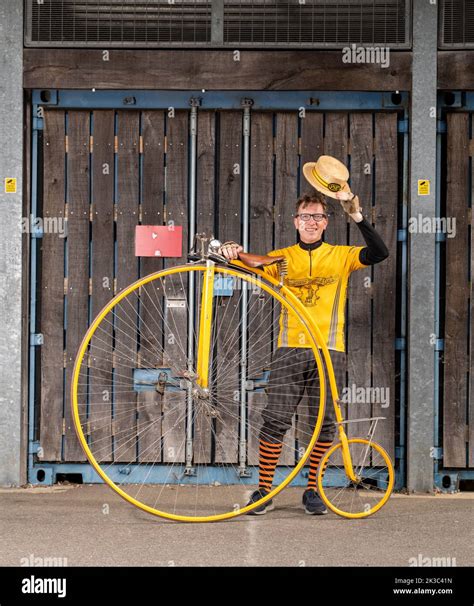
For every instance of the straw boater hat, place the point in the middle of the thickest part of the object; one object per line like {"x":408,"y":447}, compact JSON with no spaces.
{"x":328,"y":175}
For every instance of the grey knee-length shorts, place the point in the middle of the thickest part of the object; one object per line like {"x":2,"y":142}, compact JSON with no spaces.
{"x":294,"y":370}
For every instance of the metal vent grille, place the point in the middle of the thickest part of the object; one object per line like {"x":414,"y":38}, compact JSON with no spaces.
{"x":118,"y":23}
{"x":330,"y":23}
{"x":256,"y":23}
{"x":457,"y":24}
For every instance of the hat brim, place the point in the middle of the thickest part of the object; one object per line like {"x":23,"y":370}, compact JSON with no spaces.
{"x":308,"y":173}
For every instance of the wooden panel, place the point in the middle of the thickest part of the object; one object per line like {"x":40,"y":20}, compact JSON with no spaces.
{"x":312,"y":145}
{"x":102,"y":279}
{"x":77,"y":290}
{"x":286,"y":177}
{"x":336,"y":144}
{"x":151,"y":299}
{"x":359,"y":310}
{"x":168,"y":417}
{"x":457,"y":294}
{"x":286,"y":183}
{"x":188,"y":70}
{"x":260,"y":241}
{"x":174,"y":404}
{"x":228,"y":347}
{"x":205,"y":184}
{"x":455,"y":70}
{"x":311,"y":148}
{"x":52,"y":289}
{"x":384,"y":324}
{"x":127,"y":271}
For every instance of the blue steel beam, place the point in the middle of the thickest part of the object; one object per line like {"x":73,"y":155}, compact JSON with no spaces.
{"x":160,"y":474}
{"x":290,"y":100}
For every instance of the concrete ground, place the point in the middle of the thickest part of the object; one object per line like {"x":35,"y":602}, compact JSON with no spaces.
{"x":86,"y":525}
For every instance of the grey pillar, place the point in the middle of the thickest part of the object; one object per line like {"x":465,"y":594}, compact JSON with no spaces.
{"x":421,"y":270}
{"x":11,"y":166}
{"x":217,"y":21}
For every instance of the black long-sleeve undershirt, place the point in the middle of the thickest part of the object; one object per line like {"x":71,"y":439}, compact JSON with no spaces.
{"x":375,"y":251}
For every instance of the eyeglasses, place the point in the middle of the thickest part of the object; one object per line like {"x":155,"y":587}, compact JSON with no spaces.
{"x":316,"y":217}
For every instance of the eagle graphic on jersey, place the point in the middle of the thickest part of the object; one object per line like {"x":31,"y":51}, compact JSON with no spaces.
{"x":308,"y":287}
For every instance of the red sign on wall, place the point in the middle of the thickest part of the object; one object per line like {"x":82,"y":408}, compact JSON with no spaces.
{"x":158,"y":241}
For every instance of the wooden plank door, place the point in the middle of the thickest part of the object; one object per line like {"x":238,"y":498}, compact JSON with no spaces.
{"x":458,"y":353}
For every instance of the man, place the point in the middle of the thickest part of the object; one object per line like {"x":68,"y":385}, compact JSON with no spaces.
{"x":311,"y":261}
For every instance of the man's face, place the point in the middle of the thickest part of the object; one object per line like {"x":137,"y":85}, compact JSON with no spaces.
{"x":310,"y":231}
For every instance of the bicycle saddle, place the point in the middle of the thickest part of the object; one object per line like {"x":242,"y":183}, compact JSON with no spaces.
{"x":258,"y":260}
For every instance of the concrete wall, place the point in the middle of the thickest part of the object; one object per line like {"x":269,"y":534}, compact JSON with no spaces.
{"x":11,"y":165}
{"x":421,"y":287}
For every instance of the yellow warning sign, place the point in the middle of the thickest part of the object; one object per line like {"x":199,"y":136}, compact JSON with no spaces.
{"x":10,"y":185}
{"x":423,"y":187}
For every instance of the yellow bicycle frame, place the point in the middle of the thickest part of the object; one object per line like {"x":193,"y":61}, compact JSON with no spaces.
{"x":204,"y":333}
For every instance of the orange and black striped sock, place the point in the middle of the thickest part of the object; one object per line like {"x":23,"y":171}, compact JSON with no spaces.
{"x":268,"y":458}
{"x":314,"y":458}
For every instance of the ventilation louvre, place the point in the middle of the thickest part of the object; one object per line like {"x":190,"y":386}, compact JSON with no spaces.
{"x":317,"y":23}
{"x":457,"y":24}
{"x":119,"y":23}
{"x":256,"y":23}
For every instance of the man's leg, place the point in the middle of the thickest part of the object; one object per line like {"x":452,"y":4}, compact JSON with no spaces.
{"x":315,"y":457}
{"x":285,"y":390}
{"x":328,"y":429}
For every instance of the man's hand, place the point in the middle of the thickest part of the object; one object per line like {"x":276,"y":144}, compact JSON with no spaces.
{"x":350,"y":204}
{"x":230,"y":250}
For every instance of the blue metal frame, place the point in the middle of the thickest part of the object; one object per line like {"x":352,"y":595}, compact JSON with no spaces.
{"x":160,"y":474}
{"x":46,"y":473}
{"x":281,"y":100}
{"x":400,"y":478}
{"x":34,"y":341}
{"x":437,"y":360}
{"x":147,"y":379}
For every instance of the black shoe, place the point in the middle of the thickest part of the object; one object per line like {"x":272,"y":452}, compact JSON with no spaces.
{"x":312,"y":503}
{"x":261,"y":509}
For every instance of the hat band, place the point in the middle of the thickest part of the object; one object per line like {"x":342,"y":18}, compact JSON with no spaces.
{"x":326,"y":184}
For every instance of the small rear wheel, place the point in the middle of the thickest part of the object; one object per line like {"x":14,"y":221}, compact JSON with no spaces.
{"x":375,"y":478}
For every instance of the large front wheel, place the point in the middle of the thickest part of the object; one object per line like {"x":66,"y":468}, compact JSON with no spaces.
{"x":144,"y":420}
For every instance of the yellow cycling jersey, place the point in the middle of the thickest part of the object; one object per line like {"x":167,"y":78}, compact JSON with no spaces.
{"x":319,"y":280}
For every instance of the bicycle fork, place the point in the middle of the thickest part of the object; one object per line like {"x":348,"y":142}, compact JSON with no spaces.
{"x":199,"y":380}
{"x":346,"y":453}
{"x":204,"y":356}
{"x":205,"y":324}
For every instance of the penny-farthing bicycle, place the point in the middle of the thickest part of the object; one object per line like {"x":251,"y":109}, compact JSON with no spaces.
{"x":222,"y":342}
